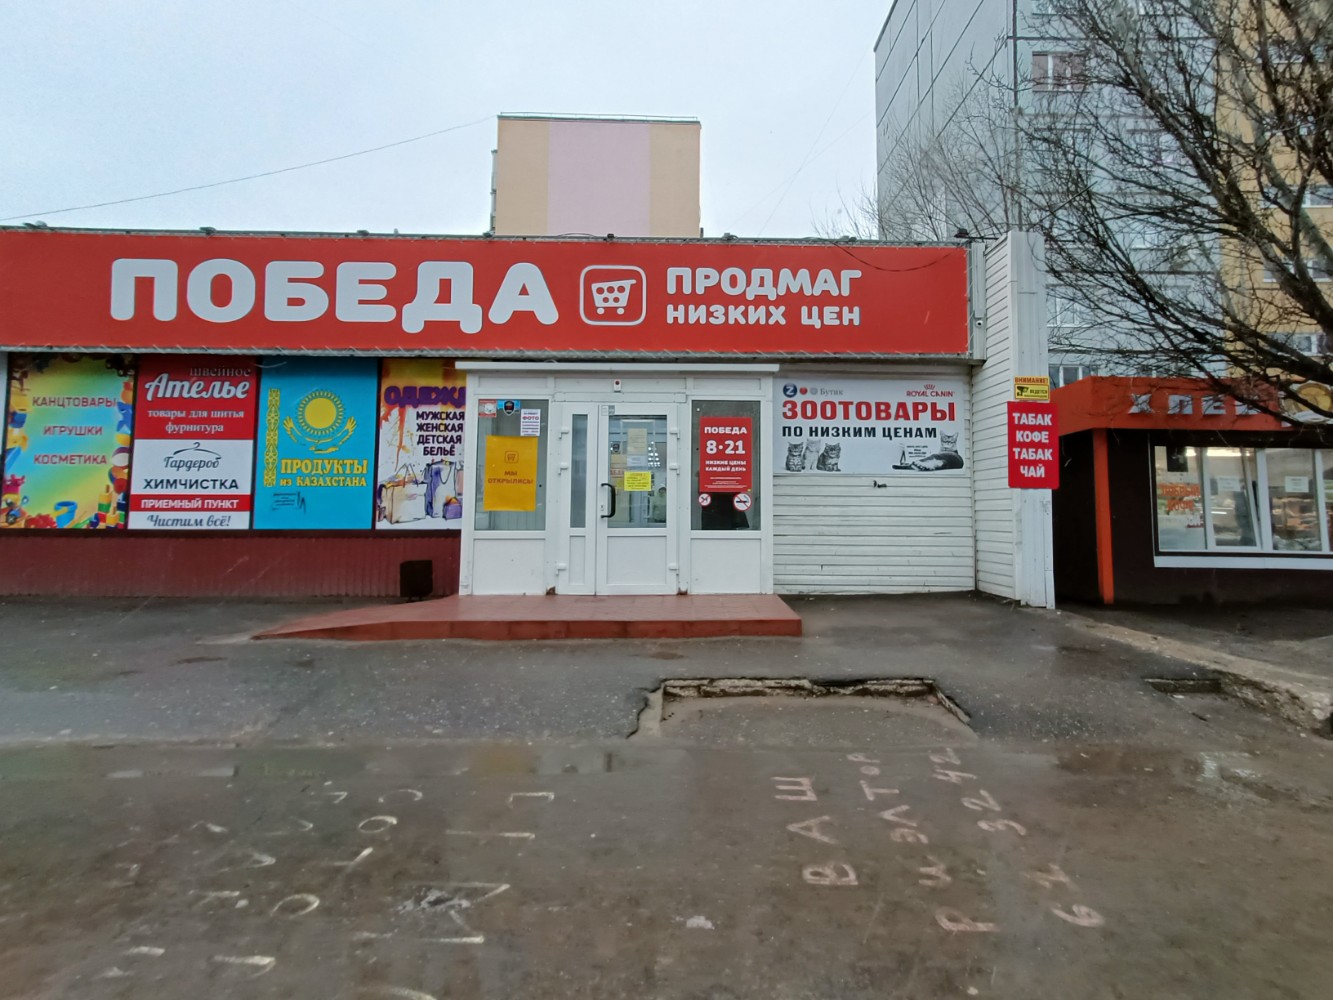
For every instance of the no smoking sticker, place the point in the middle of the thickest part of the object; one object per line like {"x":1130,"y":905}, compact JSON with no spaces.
{"x":742,"y":501}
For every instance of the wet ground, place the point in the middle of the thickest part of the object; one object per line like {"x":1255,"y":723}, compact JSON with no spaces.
{"x":187,"y":814}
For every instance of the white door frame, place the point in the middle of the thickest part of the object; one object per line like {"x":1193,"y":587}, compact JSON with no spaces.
{"x":603,"y":385}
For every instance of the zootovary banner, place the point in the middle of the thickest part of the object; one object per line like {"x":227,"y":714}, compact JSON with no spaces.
{"x":879,"y":427}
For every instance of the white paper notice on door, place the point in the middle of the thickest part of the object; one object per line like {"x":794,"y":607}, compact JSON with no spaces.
{"x":530,"y":423}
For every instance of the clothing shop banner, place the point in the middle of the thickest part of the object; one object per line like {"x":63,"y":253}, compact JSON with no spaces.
{"x":69,"y":427}
{"x":316,"y":444}
{"x":420,"y":480}
{"x":870,"y":427}
{"x":194,"y":443}
{"x":252,"y":294}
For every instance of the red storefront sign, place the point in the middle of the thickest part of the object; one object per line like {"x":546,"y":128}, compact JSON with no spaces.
{"x":473,"y":297}
{"x":1034,"y":447}
{"x":726,"y":454}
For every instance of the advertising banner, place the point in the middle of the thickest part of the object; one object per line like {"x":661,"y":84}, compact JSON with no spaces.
{"x":420,"y":478}
{"x":69,"y":426}
{"x":194,"y":443}
{"x":316,"y":443}
{"x":871,"y":427}
{"x":511,"y":473}
{"x":1034,"y":447}
{"x":726,"y":454}
{"x":468,"y":297}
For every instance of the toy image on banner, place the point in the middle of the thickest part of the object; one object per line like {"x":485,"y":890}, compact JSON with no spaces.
{"x":194,"y":443}
{"x":69,"y":428}
{"x":420,"y":476}
{"x":871,"y":427}
{"x":316,"y":443}
{"x":511,"y":473}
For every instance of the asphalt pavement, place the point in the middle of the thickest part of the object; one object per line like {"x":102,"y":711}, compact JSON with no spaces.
{"x":189,"y":812}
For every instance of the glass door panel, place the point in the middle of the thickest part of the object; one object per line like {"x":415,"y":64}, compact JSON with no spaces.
{"x":636,"y":534}
{"x":636,"y":450}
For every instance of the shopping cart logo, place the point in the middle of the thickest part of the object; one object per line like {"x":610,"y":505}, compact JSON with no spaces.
{"x":613,"y":295}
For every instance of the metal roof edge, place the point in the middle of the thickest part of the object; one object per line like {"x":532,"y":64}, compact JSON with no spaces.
{"x":482,"y":238}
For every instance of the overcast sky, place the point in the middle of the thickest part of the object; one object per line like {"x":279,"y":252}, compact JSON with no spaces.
{"x":103,"y":100}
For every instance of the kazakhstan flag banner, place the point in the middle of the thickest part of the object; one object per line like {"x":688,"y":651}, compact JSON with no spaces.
{"x":315,"y":453}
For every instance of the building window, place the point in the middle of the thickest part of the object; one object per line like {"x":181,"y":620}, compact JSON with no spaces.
{"x":1318,"y":270}
{"x":1065,"y":374}
{"x":1227,"y":499}
{"x":1057,"y":70}
{"x":1309,"y":343}
{"x":1319,"y":196}
{"x":1285,"y":52}
{"x":1158,"y":148}
{"x":1063,"y":312}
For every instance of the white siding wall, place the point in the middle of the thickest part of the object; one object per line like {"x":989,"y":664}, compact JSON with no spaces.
{"x":844,"y":535}
{"x":1013,"y":527}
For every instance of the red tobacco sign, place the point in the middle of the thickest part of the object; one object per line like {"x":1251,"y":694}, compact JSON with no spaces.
{"x":248,"y":293}
{"x":1034,"y":447}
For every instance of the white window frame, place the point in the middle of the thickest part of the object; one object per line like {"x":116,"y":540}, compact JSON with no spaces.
{"x":1068,"y":80}
{"x":1261,"y":510}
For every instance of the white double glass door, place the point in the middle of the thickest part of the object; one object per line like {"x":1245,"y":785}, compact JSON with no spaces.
{"x":619,"y":465}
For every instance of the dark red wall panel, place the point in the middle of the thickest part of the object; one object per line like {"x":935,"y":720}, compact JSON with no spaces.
{"x":255,"y":564}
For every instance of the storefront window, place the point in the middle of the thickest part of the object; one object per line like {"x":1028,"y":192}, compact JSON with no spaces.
{"x":1231,"y":520}
{"x":726,"y":465}
{"x":1210,"y":499}
{"x":1293,"y":499}
{"x":578,"y":477}
{"x":1179,"y":499}
{"x":511,"y":464}
{"x":1326,"y":498}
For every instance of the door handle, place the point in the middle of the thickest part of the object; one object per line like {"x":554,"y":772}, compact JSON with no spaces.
{"x":612,"y":512}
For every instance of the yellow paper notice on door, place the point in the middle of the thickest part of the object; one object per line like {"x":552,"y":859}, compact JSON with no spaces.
{"x":638,"y":482}
{"x":511,"y":474}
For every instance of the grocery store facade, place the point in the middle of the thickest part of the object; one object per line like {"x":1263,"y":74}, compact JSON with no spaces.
{"x":258,"y":414}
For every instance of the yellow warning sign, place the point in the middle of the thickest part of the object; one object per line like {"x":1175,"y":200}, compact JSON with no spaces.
{"x":638,"y":482}
{"x":1032,"y":388}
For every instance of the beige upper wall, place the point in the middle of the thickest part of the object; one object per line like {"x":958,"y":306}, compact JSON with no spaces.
{"x":579,"y":175}
{"x":521,"y":152}
{"x":674,"y":205}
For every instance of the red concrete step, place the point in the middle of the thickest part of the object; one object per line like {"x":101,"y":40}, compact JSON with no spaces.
{"x":552,"y":617}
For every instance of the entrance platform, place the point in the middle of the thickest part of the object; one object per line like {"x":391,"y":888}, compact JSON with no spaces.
{"x":553,"y":617}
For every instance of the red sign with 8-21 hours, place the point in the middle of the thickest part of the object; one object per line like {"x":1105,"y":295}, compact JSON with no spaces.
{"x":726,"y":454}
